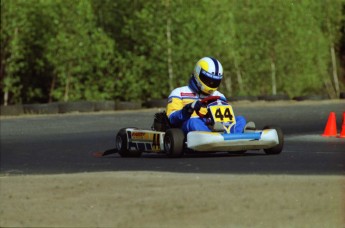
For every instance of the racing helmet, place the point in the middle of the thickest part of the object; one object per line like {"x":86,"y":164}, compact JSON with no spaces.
{"x":207,"y":75}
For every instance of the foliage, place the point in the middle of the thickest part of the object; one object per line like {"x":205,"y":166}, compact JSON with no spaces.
{"x":58,"y":50}
{"x":81,"y":54}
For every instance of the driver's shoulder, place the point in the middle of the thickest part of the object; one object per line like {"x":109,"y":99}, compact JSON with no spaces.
{"x":182,"y":92}
{"x":217,"y":93}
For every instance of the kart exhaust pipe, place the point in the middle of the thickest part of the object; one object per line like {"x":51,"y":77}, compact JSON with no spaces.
{"x":105,"y":153}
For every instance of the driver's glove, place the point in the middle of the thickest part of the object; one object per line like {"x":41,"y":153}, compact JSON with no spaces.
{"x":191,"y":107}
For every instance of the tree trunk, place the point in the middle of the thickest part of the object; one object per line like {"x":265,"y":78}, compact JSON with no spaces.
{"x":273,"y":76}
{"x":65,"y":98}
{"x":329,"y":87}
{"x":6,"y":98}
{"x":168,"y":33}
{"x":228,"y":85}
{"x":52,"y":87}
{"x":335,"y":74}
{"x":239,"y":77}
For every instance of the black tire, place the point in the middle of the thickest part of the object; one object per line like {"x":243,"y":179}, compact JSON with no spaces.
{"x":11,"y":110}
{"x":76,"y":106}
{"x":243,"y":98}
{"x":127,"y":105}
{"x":122,"y":145}
{"x":278,"y":97}
{"x":174,"y":142}
{"x":311,"y":97}
{"x":156,"y":103}
{"x":49,"y":108}
{"x":104,"y":106}
{"x":278,"y":148}
{"x":342,"y":95}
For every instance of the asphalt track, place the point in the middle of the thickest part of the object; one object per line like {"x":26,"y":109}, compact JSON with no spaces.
{"x":65,"y":144}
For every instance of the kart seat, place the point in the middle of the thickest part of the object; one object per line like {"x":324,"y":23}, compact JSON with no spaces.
{"x":161,"y":122}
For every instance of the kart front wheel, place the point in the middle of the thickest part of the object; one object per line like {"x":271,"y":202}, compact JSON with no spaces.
{"x":122,"y":145}
{"x":174,"y":142}
{"x":277,"y":149}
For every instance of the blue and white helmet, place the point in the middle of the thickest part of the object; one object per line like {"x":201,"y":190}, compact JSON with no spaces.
{"x":208,"y":74}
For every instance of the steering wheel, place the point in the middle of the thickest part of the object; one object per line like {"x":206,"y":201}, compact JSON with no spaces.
{"x":205,"y":102}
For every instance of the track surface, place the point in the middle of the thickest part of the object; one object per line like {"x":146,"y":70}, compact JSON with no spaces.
{"x":65,"y":144}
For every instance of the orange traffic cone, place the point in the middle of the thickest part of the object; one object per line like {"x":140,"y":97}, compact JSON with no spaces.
{"x":342,"y":133}
{"x":331,"y":126}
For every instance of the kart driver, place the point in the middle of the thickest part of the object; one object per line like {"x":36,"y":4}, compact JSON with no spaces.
{"x":184,"y":101}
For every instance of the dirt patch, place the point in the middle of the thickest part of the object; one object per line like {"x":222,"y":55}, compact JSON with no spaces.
{"x":152,"y":199}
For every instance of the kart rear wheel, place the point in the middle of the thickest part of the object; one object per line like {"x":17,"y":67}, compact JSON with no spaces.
{"x":174,"y":142}
{"x":277,"y":149}
{"x":122,"y":145}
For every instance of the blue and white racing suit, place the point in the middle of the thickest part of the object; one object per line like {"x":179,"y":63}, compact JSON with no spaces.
{"x":182,"y":96}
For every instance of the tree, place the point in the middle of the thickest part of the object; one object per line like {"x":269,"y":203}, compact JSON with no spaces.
{"x":14,"y":27}
{"x":55,"y":50}
{"x":81,"y":54}
{"x":330,"y":18}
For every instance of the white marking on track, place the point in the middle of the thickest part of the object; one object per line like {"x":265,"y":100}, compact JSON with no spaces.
{"x":313,"y":137}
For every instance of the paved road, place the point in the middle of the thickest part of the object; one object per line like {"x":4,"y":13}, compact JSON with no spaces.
{"x":65,"y":143}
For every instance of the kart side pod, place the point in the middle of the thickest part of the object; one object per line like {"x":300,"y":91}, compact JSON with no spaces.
{"x":270,"y":139}
{"x":212,"y":141}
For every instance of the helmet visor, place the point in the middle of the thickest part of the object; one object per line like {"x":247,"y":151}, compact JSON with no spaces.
{"x":209,"y":79}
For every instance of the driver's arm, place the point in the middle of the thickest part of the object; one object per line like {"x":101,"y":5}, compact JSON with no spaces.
{"x":175,"y":111}
{"x":179,"y":110}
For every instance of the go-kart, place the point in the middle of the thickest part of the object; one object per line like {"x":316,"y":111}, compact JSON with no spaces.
{"x":132,"y":142}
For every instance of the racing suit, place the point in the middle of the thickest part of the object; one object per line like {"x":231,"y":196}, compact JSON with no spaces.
{"x":179,"y":117}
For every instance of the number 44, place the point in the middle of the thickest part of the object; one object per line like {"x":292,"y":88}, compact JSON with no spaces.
{"x":221,"y":116}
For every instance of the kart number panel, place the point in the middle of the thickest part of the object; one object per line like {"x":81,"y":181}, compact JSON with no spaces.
{"x":222,"y":113}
